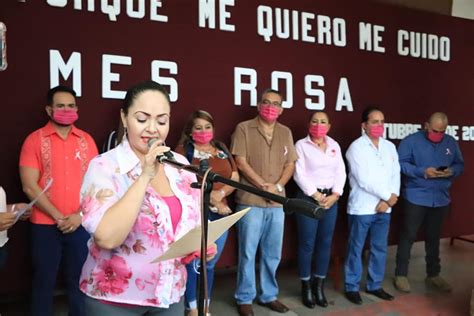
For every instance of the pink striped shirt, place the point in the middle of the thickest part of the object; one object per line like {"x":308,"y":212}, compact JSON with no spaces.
{"x":316,"y":169}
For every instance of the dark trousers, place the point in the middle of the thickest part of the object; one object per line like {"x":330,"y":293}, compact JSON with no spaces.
{"x":94,"y":307}
{"x":3,"y":256}
{"x":314,"y":242}
{"x":414,"y":217}
{"x":49,"y":246}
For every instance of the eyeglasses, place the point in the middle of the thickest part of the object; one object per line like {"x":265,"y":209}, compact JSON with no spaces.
{"x":274,"y":103}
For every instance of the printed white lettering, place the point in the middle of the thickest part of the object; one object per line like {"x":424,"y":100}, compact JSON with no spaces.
{"x":72,"y":66}
{"x":172,"y":67}
{"x":370,"y":37}
{"x":250,"y":85}
{"x":308,"y":89}
{"x":301,"y":25}
{"x":288,"y":78}
{"x":108,"y":76}
{"x":423,"y":45}
{"x":344,"y":96}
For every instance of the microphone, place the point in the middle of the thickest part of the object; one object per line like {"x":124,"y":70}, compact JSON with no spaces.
{"x":303,"y":207}
{"x":166,"y":155}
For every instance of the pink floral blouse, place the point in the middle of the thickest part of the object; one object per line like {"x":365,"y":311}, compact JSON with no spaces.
{"x":126,"y":274}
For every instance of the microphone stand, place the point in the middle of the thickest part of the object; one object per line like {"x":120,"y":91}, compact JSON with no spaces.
{"x":300,"y":206}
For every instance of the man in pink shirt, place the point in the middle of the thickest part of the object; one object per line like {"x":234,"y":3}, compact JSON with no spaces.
{"x":57,"y":152}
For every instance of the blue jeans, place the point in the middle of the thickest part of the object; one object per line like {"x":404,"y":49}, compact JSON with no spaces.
{"x":192,"y":282}
{"x":48,"y":247}
{"x":264,"y":227}
{"x":360,"y":226}
{"x":314,"y":242}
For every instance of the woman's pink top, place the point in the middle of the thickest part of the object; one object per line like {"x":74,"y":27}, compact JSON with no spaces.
{"x":125,"y":274}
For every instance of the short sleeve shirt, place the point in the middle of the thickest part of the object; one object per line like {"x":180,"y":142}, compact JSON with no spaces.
{"x":63,"y":160}
{"x":126,"y":274}
{"x":267,"y":158}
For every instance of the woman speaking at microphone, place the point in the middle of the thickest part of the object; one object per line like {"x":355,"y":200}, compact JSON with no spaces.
{"x":197,"y":142}
{"x":320,"y":175}
{"x":135,"y":207}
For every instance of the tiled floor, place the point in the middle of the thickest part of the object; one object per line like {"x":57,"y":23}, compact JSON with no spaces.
{"x":458,"y":268}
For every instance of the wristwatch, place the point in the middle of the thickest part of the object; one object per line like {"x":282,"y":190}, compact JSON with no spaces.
{"x":279,"y":187}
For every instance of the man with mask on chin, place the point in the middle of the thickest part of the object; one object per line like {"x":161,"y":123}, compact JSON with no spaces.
{"x":265,"y":156}
{"x":374,"y":177}
{"x":58,"y":152}
{"x":430,"y":160}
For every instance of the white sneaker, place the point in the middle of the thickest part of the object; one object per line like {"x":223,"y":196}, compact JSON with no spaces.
{"x":439,"y":283}
{"x":401,"y":283}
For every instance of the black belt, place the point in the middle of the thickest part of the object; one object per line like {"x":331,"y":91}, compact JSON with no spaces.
{"x":326,"y":192}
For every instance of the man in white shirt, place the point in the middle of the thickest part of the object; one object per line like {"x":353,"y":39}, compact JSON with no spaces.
{"x":374,"y":178}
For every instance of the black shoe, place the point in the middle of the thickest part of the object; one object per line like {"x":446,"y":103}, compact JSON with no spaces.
{"x":354,"y":297}
{"x":380,"y":293}
{"x":306,"y":295}
{"x":318,"y":291}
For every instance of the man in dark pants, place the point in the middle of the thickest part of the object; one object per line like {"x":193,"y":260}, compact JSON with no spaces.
{"x":58,"y":152}
{"x":429,"y":160}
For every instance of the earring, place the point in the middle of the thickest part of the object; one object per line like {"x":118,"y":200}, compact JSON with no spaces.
{"x":125,"y":132}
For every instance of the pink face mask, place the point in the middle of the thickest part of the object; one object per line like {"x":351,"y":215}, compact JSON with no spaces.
{"x":435,"y":137}
{"x":269,"y":113}
{"x":202,"y":137}
{"x":318,"y":130}
{"x":376,"y":131}
{"x":65,"y":117}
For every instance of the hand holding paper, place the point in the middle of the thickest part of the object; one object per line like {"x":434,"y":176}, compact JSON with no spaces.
{"x":20,"y":207}
{"x":191,"y":242}
{"x":6,"y":221}
{"x":210,"y":253}
{"x":21,"y":211}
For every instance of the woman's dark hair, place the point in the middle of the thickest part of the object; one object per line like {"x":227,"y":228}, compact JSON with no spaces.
{"x":367,"y":111}
{"x":312,"y":113}
{"x":134,"y":91}
{"x":188,"y":127}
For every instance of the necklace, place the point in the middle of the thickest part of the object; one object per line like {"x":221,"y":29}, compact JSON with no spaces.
{"x":266,"y":131}
{"x":199,"y":154}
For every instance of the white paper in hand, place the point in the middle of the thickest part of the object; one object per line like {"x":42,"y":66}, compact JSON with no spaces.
{"x":191,"y":242}
{"x":30,"y":205}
